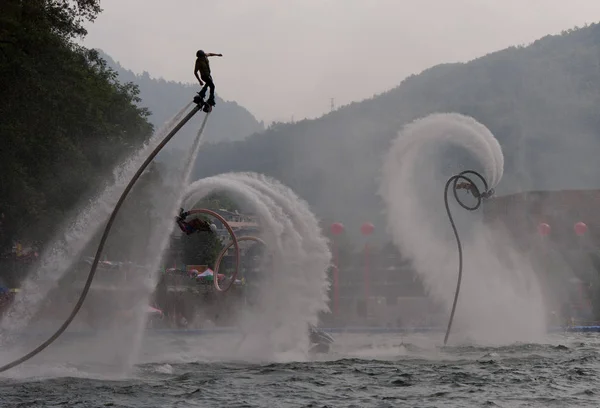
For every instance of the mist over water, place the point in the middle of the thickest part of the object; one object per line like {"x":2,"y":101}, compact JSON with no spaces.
{"x":77,"y":234}
{"x":294,"y":282}
{"x":500,"y":299}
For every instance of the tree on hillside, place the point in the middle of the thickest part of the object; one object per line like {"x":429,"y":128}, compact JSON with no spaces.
{"x":23,"y":21}
{"x":201,"y":248}
{"x":66,"y":121}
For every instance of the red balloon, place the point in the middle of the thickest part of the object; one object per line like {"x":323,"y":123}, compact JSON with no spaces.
{"x":367,"y":228}
{"x":544,"y":229}
{"x":337,"y":228}
{"x":580,"y":228}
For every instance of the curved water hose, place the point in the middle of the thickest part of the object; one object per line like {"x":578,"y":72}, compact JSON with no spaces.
{"x":111,"y":220}
{"x":472,"y":187}
{"x":237,"y":265}
{"x":234,"y":242}
{"x":224,"y":250}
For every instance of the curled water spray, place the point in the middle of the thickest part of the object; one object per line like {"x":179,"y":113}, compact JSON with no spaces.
{"x":295,"y":290}
{"x":416,"y":168}
{"x":304,"y":222}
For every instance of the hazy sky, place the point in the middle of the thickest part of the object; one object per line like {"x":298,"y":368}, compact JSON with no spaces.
{"x":285,"y":58}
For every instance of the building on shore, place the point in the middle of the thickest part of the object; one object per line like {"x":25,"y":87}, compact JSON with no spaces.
{"x":559,"y":231}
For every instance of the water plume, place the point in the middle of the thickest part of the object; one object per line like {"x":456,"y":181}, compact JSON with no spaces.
{"x":167,"y":199}
{"x":294,"y":286}
{"x":500,"y":298}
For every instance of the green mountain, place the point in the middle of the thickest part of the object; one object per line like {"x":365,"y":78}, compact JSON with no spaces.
{"x":228,"y":121}
{"x":541,"y":101}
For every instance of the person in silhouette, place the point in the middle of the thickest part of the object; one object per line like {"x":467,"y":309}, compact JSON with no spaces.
{"x":469,"y":187}
{"x":194,"y":225}
{"x":203,"y":67}
{"x":472,"y":188}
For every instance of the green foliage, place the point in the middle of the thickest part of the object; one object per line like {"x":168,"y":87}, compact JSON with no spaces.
{"x":66,"y":121}
{"x":32,"y":21}
{"x":201,"y":248}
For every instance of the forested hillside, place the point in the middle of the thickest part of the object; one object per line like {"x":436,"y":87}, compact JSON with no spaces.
{"x":542,"y":102}
{"x":65,"y":119}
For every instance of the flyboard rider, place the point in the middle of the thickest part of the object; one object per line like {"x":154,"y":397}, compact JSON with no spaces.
{"x":471,"y":188}
{"x":203,"y":66}
{"x":194,"y":224}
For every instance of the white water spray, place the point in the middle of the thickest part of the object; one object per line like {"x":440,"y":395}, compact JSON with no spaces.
{"x":166,"y":202}
{"x":500,"y":299}
{"x":67,"y":247}
{"x":295,"y":290}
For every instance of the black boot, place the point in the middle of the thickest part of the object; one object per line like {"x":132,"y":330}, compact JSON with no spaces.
{"x":211,"y":101}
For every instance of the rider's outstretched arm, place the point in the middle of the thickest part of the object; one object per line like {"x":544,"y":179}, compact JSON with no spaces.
{"x":211,"y":54}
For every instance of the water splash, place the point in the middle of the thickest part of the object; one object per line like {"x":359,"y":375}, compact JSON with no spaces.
{"x":167,"y":200}
{"x":68,"y":246}
{"x":294,"y":290}
{"x":500,"y":297}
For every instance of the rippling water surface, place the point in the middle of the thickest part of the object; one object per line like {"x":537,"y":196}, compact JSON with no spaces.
{"x":361,"y":371}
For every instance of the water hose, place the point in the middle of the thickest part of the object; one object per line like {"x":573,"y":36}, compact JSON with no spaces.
{"x":237,"y":264}
{"x":111,"y":220}
{"x":472,"y":187}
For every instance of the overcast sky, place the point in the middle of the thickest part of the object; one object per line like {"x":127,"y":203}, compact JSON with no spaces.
{"x":285,"y":58}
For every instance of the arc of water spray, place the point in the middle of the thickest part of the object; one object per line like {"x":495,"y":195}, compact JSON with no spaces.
{"x":300,"y":254}
{"x":402,"y":175}
{"x":107,"y":229}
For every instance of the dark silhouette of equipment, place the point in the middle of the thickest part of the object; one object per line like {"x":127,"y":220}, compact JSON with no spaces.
{"x":469,"y":185}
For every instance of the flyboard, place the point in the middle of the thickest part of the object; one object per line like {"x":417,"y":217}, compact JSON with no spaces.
{"x":204,"y":105}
